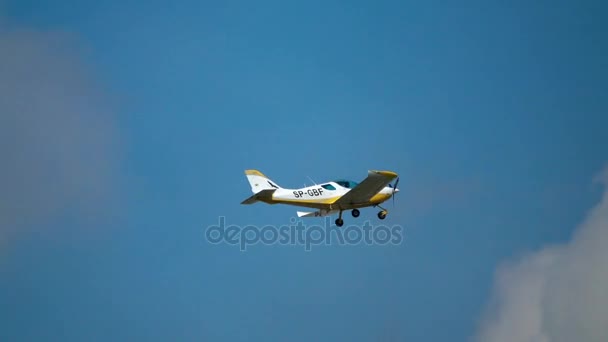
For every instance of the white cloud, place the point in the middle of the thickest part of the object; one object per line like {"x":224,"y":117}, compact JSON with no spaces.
{"x":558,"y":294}
{"x":56,"y":139}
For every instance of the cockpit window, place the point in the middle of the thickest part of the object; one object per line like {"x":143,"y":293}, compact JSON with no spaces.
{"x":347,"y":184}
{"x":328,"y":187}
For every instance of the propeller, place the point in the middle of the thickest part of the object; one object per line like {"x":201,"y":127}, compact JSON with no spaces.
{"x":395,"y":190}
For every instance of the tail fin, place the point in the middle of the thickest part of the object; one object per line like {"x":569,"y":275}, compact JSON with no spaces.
{"x":259,"y":182}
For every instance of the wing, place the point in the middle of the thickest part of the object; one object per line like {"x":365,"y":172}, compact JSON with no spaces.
{"x":362,"y":193}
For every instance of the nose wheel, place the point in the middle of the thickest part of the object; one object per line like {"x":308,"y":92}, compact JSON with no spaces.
{"x":355,"y":212}
{"x":382,"y":214}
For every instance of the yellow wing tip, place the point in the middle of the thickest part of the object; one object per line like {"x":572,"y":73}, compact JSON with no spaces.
{"x":386,"y":173}
{"x":254,"y":173}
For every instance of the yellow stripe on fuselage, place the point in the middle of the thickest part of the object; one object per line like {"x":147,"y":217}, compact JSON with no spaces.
{"x":326,"y":203}
{"x":318,"y":204}
{"x":323,"y":201}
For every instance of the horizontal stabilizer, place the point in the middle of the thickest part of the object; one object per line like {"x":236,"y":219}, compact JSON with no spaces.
{"x":263,"y":195}
{"x":319,"y":213}
{"x":307,"y":214}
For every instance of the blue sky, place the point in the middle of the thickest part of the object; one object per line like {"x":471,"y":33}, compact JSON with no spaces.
{"x":493,"y":114}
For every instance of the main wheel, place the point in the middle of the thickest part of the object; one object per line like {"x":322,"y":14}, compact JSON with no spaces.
{"x":355,"y":212}
{"x":382,"y":215}
{"x":339,"y":222}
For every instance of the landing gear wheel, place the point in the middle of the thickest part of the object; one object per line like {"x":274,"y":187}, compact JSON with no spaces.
{"x":355,"y":212}
{"x":339,"y":221}
{"x":382,"y":215}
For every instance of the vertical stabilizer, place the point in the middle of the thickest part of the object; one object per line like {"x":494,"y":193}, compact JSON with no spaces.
{"x":259,"y":182}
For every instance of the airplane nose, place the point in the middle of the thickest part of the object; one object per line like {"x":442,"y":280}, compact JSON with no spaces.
{"x":396,"y":190}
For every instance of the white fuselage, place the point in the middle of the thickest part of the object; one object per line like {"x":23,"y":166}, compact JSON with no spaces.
{"x":324,"y":195}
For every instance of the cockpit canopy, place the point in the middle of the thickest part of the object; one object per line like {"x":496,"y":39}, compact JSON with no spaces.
{"x":341,"y":182}
{"x":328,"y":187}
{"x":346,"y":183}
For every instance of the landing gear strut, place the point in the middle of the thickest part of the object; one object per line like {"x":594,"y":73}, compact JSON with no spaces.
{"x":382,"y":214}
{"x":355,"y":212}
{"x":339,"y":221}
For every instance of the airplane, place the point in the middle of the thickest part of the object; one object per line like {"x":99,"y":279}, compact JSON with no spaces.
{"x":329,"y":197}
